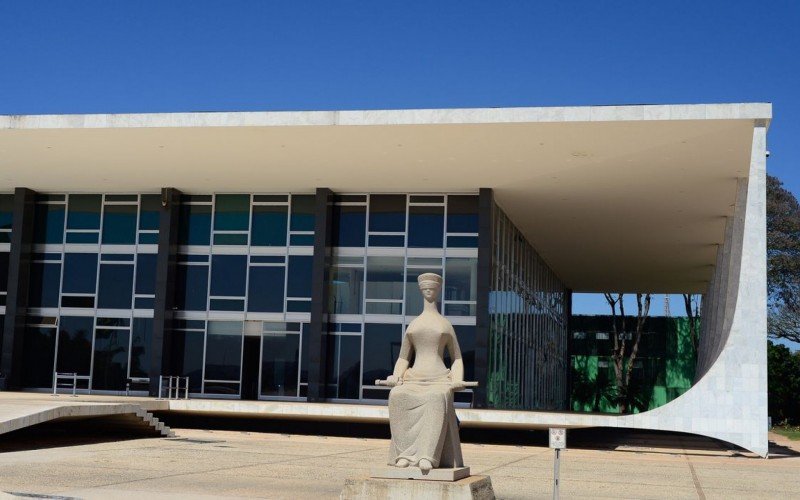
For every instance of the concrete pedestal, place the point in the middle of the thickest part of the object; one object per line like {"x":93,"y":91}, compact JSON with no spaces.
{"x":445,"y":474}
{"x":473,"y":487}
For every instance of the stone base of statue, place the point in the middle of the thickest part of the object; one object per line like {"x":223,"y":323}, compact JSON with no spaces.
{"x":468,"y":488}
{"x":445,"y":474}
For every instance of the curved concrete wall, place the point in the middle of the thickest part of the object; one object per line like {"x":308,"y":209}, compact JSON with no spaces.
{"x":729,"y":398}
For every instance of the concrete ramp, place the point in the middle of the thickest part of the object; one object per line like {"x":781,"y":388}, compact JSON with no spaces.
{"x":18,"y":411}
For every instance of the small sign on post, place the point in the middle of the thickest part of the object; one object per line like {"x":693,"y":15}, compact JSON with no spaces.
{"x":558,"y":441}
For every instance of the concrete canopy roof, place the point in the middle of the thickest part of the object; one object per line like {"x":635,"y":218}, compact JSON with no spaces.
{"x":614,"y":198}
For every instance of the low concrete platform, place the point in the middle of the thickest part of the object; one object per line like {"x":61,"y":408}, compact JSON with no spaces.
{"x":470,"y":488}
{"x":21,"y":410}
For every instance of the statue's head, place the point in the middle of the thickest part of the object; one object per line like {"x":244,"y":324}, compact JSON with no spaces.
{"x":430,"y":285}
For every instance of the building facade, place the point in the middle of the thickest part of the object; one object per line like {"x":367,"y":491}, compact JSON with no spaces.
{"x":274,"y":255}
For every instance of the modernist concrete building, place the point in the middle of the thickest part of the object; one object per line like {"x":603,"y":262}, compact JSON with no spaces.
{"x":274,"y":255}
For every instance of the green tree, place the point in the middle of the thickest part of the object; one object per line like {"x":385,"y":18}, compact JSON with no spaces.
{"x":783,"y":261}
{"x":783,"y":369}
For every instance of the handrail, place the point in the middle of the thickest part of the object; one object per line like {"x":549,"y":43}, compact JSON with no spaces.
{"x":72,"y":380}
{"x":173,"y":384}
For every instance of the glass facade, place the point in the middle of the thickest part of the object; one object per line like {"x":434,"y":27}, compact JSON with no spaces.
{"x":6,"y":215}
{"x":528,"y":314}
{"x":92,"y":288}
{"x":382,"y":242}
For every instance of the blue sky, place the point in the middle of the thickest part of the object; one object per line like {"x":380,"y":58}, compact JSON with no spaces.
{"x":149,"y":56}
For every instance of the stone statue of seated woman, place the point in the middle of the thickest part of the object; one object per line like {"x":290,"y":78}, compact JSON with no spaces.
{"x":421,"y":412}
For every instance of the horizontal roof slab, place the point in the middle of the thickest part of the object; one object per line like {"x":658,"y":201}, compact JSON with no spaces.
{"x":614,"y":198}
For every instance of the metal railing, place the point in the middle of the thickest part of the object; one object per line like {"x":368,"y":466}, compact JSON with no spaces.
{"x":173,"y":386}
{"x":71,"y":380}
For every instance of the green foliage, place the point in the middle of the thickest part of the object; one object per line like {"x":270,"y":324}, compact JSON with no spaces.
{"x":784,"y":384}
{"x":783,"y":261}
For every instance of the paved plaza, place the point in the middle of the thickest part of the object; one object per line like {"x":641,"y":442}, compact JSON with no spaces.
{"x":217,"y":464}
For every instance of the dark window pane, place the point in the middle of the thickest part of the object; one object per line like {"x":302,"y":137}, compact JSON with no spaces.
{"x":146,"y":273}
{"x":4,"y":256}
{"x":348,"y":225}
{"x":459,"y":310}
{"x":230,"y":239}
{"x":72,"y":301}
{"x":466,"y":342}
{"x":49,"y":224}
{"x":305,"y":354}
{"x":82,"y":238}
{"x":228,"y":275}
{"x":187,"y":352}
{"x":346,"y":292}
{"x":269,"y":226}
{"x":416,"y":198}
{"x":115,"y":290}
{"x":381,"y":349}
{"x":267,"y":259}
{"x":383,"y":240}
{"x":462,"y":241}
{"x":104,"y":322}
{"x":300,"y":240}
{"x":117,"y":257}
{"x":74,"y":353}
{"x":140,"y":347}
{"x":144,"y":302}
{"x":385,"y":278}
{"x":280,"y":359}
{"x":425,"y":227}
{"x":122,"y":197}
{"x":384,"y":308}
{"x":44,"y":285}
{"x":149,"y":210}
{"x":226,"y":304}
{"x":191,"y":288}
{"x":298,"y":306}
{"x":299,"y":278}
{"x":194,"y":227}
{"x":110,"y":370}
{"x":344,"y":367}
{"x":232,"y":212}
{"x":223,"y":350}
{"x":80,"y":273}
{"x":461,"y":280}
{"x":84,"y":211}
{"x":38,"y":355}
{"x":462,"y":214}
{"x":387,"y":213}
{"x":6,"y":210}
{"x":148,"y":238}
{"x":267,"y":198}
{"x":265,"y":289}
{"x":119,"y":225}
{"x":302,"y":212}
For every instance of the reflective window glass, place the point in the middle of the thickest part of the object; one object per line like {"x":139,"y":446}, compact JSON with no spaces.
{"x":299,"y":278}
{"x":191,"y":288}
{"x":231,"y":212}
{"x":344,"y":366}
{"x":187,"y":354}
{"x":140,"y":347}
{"x":381,"y":349}
{"x":110,"y":368}
{"x":461,"y":278}
{"x":80,"y":273}
{"x":265,"y":289}
{"x":4,"y":256}
{"x":194,"y":227}
{"x":44,"y":285}
{"x":425,"y":226}
{"x":346,"y":293}
{"x":349,"y":223}
{"x":387,"y":213}
{"x":48,"y":224}
{"x":74,"y":354}
{"x":84,"y":211}
{"x":462,"y":214}
{"x":302,"y":212}
{"x":115,"y":289}
{"x":150,"y":207}
{"x":279,"y":363}
{"x":224,"y":350}
{"x":146,"y":273}
{"x":269,"y":225}
{"x":385,"y":278}
{"x":119,"y":224}
{"x":6,"y":217}
{"x":38,"y":355}
{"x":228,"y":275}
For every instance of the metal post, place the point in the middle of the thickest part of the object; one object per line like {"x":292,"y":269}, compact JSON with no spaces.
{"x":55,"y":384}
{"x":186,"y":393}
{"x":74,"y":384}
{"x":555,"y":474}
{"x":160,"y":383}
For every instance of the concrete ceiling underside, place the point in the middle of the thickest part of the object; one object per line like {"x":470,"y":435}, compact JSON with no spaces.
{"x":615,"y":205}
